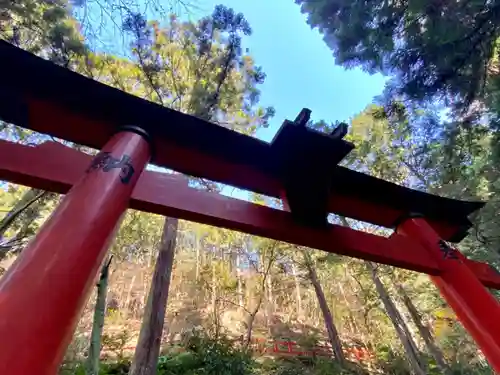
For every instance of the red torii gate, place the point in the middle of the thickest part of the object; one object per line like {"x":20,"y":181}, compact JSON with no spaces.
{"x":42,"y":294}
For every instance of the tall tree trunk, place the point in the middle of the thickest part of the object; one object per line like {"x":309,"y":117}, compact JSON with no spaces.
{"x":148,"y":347}
{"x":398,"y":322}
{"x":333,"y":334}
{"x":198,"y":245}
{"x":407,"y":320}
{"x":424,"y":331}
{"x":270,"y":296}
{"x":251,"y":317}
{"x":298,"y":296}
{"x":351,"y":322}
{"x":98,"y":322}
{"x":253,"y":313}
{"x":214,"y":286}
{"x":238,"y":277}
{"x":215,"y":300}
{"x":249,"y":324}
{"x":126,"y":305}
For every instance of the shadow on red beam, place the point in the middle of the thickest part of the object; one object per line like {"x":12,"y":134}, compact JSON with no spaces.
{"x":47,"y":117}
{"x":52,"y":166}
{"x":374,"y":213}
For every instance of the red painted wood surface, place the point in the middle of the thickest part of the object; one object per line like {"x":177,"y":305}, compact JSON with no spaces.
{"x":52,"y":166}
{"x":46,"y":117}
{"x":474,"y":305}
{"x":36,"y":100}
{"x":42,"y":293}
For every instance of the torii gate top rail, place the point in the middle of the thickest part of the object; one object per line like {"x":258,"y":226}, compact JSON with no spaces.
{"x":50,"y":99}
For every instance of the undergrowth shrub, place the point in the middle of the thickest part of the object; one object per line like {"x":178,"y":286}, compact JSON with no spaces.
{"x":207,"y":356}
{"x":307,"y":366}
{"x":204,"y":355}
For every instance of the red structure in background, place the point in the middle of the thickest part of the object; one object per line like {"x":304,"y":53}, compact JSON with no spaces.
{"x":292,"y":348}
{"x":42,"y":293}
{"x":355,"y":353}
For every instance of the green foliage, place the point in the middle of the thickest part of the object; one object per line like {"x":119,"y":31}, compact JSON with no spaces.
{"x":391,"y":362}
{"x":72,"y":369}
{"x":199,"y":68}
{"x":119,"y":368}
{"x":207,"y":356}
{"x":116,"y":343}
{"x":43,"y":27}
{"x":434,"y":49}
{"x":22,"y":213}
{"x":307,"y":366}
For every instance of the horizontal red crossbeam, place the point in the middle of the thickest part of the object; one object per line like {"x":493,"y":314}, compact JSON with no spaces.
{"x":47,"y":117}
{"x":54,"y":167}
{"x":33,"y":93}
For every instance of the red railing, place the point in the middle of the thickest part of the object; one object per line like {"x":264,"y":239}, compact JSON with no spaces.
{"x":292,"y":348}
{"x":354,"y":353}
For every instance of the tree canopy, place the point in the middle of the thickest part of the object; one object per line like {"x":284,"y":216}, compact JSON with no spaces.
{"x":434,"y":49}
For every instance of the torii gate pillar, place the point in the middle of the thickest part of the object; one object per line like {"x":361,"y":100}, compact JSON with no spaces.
{"x":473,"y":304}
{"x":54,"y":273}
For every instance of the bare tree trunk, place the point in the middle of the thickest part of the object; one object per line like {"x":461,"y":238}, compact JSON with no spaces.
{"x":148,"y":347}
{"x":297,"y":290}
{"x":251,"y":319}
{"x":253,"y":313}
{"x":351,"y":322}
{"x":333,"y":334}
{"x":215,"y":304}
{"x":270,"y":296}
{"x":407,"y":322}
{"x":126,"y":305}
{"x":249,"y":324}
{"x":197,"y":259}
{"x":238,"y":276}
{"x":214,"y":286}
{"x":424,"y":331}
{"x":398,"y":322}
{"x":98,"y":322}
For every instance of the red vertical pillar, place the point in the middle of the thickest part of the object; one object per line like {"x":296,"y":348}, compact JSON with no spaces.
{"x":476,"y":308}
{"x":43,"y":292}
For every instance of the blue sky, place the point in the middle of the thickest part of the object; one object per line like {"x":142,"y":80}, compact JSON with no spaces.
{"x":300,"y":68}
